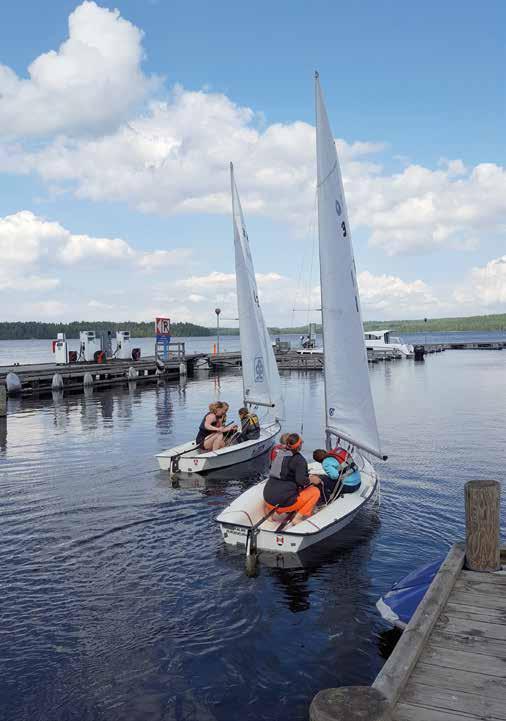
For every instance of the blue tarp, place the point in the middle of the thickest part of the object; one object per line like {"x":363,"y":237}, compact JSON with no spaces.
{"x":399,"y":604}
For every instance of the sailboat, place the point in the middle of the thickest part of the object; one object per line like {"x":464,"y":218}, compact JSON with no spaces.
{"x":260,"y":375}
{"x":350,"y":419}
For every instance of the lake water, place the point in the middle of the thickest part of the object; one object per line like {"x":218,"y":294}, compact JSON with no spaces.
{"x":39,"y":351}
{"x":119,"y":599}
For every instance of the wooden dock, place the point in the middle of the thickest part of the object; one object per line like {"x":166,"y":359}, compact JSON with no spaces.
{"x":450,"y":663}
{"x":291,"y":359}
{"x":43,"y":378}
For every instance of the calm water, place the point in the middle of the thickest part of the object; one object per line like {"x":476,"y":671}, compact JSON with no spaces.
{"x":119,"y":600}
{"x":39,"y":351}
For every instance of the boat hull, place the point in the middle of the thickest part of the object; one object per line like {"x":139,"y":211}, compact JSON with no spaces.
{"x":238,"y":518}
{"x":186,"y":458}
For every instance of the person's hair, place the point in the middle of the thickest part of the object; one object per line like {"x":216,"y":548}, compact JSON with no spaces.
{"x":218,"y":406}
{"x":283,"y":438}
{"x":293,"y":441}
{"x":319,"y":455}
{"x":243,"y":411}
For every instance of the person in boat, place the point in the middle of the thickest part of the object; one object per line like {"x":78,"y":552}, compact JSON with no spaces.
{"x":290,"y":486}
{"x":213,"y":428}
{"x":338,"y":465}
{"x":279,"y":446}
{"x":250,"y":426}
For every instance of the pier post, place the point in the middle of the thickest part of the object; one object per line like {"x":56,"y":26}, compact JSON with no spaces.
{"x":350,"y":703}
{"x":482,"y":525}
{"x":3,"y":401}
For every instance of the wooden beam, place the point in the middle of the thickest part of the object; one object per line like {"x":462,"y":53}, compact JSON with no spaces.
{"x":395,"y":673}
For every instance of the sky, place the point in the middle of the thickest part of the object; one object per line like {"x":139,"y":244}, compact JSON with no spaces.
{"x":118,"y":122}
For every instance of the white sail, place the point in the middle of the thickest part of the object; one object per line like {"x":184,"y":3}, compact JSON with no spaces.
{"x":261,"y":382}
{"x":349,"y":406}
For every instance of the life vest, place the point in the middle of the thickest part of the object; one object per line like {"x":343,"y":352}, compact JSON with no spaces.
{"x":277,"y":463}
{"x":250,"y":423}
{"x":340,"y":454}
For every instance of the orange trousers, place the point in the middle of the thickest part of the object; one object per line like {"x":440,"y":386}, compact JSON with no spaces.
{"x":306,"y":501}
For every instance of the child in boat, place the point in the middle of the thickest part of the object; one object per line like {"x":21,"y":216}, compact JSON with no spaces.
{"x":213,"y":428}
{"x":250,"y":426}
{"x":279,"y":446}
{"x":290,"y":487}
{"x":336,"y":469}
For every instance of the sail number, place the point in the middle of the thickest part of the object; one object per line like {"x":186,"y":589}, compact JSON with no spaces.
{"x":343,"y":228}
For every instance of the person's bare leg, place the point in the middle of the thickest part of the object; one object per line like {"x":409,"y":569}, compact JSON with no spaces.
{"x":209,"y":441}
{"x":218,"y":442}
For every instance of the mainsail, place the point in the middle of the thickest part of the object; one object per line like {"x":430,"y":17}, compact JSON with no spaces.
{"x":261,"y":382}
{"x":349,"y":406}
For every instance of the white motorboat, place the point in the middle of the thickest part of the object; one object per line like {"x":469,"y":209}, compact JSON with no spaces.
{"x":349,"y":412}
{"x":381,"y":340}
{"x":260,"y":375}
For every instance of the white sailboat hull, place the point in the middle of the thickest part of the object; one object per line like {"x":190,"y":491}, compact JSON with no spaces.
{"x":248,"y":509}
{"x":186,"y":458}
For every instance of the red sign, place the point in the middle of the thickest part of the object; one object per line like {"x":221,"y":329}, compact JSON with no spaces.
{"x":162,"y":326}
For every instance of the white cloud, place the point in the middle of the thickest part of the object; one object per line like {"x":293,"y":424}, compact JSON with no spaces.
{"x":162,"y":258}
{"x":28,"y":241}
{"x":388,"y":294}
{"x":12,"y":281}
{"x":89,"y":83}
{"x":486,"y":287}
{"x":174,"y":159}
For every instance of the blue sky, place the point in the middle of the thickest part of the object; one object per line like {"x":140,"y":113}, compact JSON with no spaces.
{"x":113,"y":174}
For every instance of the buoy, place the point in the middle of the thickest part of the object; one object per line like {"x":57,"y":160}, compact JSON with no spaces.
{"x":57,"y":382}
{"x":13,"y":384}
{"x":133,"y":373}
{"x":87,"y":380}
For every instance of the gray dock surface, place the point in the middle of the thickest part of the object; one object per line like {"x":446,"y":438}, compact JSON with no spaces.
{"x":450,"y":664}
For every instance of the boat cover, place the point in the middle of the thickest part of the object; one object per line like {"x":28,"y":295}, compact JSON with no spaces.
{"x":399,"y":604}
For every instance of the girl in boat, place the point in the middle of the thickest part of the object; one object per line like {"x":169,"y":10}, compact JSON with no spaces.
{"x":338,"y":465}
{"x":290,"y":486}
{"x":213,"y":428}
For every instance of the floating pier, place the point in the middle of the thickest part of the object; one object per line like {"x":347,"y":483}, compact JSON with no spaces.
{"x":291,"y":359}
{"x":450,"y":663}
{"x":43,"y":378}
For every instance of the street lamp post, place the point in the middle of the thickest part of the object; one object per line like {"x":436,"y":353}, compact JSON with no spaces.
{"x":217,"y":311}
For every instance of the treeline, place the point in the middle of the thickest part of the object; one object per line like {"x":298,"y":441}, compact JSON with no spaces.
{"x":496,"y":322}
{"x":32,"y":329}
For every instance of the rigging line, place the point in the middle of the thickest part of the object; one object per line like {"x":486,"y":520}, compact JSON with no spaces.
{"x":319,"y":185}
{"x":313,"y":223}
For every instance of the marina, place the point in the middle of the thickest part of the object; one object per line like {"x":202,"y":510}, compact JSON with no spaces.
{"x":100,"y":555}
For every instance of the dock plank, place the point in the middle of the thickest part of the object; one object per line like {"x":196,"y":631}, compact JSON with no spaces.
{"x":464,"y":610}
{"x":474,"y":644}
{"x":420,"y":694}
{"x":460,"y":681}
{"x":464,"y":660}
{"x":483,"y":600}
{"x":410,"y":712}
{"x":496,"y":579}
{"x":467,"y":627}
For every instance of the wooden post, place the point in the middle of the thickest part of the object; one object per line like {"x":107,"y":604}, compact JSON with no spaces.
{"x":3,"y":401}
{"x":482,"y":525}
{"x":350,"y":703}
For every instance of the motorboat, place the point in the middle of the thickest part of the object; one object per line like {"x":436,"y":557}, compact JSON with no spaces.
{"x":381,"y":340}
